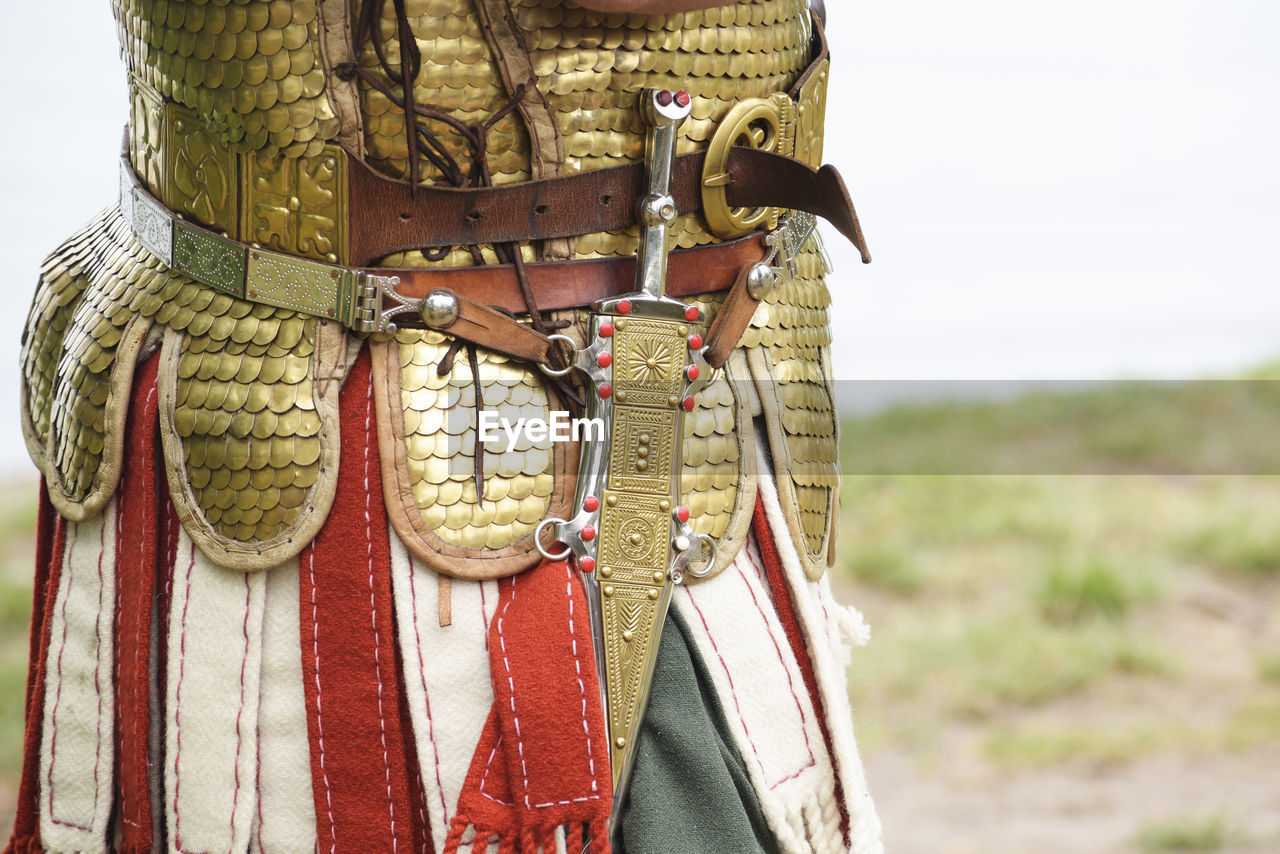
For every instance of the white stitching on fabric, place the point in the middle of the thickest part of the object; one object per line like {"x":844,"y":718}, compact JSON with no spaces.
{"x":488,"y":765}
{"x":582,"y":688}
{"x":511,"y":685}
{"x":422,"y":673}
{"x":244,"y":663}
{"x":97,"y":631}
{"x":177,"y":706}
{"x":315,"y":645}
{"x":591,"y":764}
{"x":377,"y":642}
{"x":804,"y":720}
{"x":725,"y":667}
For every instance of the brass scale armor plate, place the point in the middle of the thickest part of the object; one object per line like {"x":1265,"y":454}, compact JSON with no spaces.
{"x":229,"y":123}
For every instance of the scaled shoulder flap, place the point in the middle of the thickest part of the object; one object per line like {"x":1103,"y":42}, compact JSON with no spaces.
{"x":248,"y":396}
{"x":788,"y":349}
{"x":78,"y":353}
{"x":428,"y":423}
{"x":249,"y":421}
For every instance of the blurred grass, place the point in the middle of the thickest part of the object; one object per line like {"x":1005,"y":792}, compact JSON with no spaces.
{"x":1058,"y":617}
{"x":1185,"y":835}
{"x":1052,"y":608}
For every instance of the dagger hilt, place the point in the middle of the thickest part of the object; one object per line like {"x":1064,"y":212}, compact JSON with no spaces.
{"x":664,"y":111}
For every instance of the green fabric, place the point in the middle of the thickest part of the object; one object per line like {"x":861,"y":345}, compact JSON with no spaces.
{"x":690,"y":791}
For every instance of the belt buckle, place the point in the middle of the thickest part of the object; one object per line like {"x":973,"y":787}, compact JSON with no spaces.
{"x":767,"y":124}
{"x":795,"y":229}
{"x":370,"y":302}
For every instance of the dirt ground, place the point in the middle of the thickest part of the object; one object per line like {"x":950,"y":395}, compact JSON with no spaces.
{"x":1077,"y":808}
{"x":1197,"y":761}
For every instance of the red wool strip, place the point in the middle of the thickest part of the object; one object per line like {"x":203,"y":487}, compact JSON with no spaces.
{"x":795,"y":636}
{"x":51,"y":541}
{"x":138,"y":538}
{"x":359,"y":773}
{"x":543,"y":758}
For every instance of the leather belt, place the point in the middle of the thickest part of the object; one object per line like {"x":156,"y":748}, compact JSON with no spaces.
{"x":374,"y":300}
{"x":390,"y":216}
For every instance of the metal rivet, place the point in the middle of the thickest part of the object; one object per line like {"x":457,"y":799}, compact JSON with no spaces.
{"x":440,"y":309}
{"x":760,"y":280}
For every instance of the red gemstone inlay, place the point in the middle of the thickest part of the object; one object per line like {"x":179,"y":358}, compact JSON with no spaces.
{"x":591,"y":504}
{"x":664,"y":97}
{"x":682,"y":98}
{"x":682,"y":513}
{"x":624,"y":306}
{"x":695,"y":342}
{"x":693,"y":372}
{"x":604,"y":389}
{"x":688,"y":403}
{"x":604,"y":360}
{"x":691,"y":313}
{"x":588,"y":533}
{"x":606,"y":329}
{"x":587,"y":564}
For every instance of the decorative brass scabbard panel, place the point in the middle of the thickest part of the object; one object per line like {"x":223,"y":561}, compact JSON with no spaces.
{"x":634,"y":554}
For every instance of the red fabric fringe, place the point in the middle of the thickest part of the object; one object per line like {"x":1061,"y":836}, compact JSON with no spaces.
{"x":543,"y":757}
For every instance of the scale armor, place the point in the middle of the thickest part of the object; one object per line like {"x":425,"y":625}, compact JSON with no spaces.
{"x":190,"y":440}
{"x":232,"y":127}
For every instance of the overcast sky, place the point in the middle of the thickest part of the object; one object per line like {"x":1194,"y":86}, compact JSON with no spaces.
{"x":1051,"y":190}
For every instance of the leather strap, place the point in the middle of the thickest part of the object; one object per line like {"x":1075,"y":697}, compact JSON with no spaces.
{"x":494,"y":330}
{"x":574,"y":284}
{"x":731,"y":321}
{"x":386,"y":217}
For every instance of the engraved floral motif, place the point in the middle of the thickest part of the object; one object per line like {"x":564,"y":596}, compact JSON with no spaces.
{"x":295,"y":205}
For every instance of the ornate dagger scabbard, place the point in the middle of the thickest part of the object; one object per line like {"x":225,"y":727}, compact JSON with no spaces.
{"x":631,"y":541}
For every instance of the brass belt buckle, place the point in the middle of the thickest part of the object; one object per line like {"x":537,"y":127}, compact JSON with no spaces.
{"x":767,"y":124}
